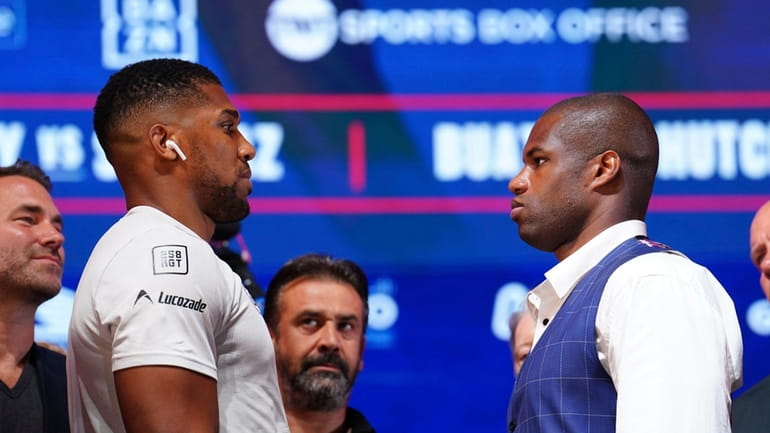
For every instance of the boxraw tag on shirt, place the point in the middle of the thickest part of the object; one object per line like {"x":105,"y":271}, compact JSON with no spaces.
{"x":169,"y":259}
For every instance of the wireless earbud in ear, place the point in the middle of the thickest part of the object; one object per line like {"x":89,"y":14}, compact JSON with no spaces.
{"x":171,"y":144}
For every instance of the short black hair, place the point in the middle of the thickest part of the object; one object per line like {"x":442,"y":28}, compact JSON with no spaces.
{"x":145,"y":85}
{"x":315,"y":265}
{"x":29,"y":170}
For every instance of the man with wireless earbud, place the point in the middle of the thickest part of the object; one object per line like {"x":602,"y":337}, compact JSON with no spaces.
{"x":163,"y":335}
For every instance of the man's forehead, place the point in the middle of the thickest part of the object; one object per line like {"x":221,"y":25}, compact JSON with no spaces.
{"x":545,"y":126}
{"x":216,"y":95}
{"x":321,"y":295}
{"x":760,"y":225}
{"x":763,"y":215}
{"x":23,"y":193}
{"x":18,"y":187}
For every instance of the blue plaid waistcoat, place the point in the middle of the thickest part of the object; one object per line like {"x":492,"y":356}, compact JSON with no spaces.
{"x":562,"y":386}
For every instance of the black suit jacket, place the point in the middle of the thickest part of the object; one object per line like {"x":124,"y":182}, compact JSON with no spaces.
{"x":751,"y":411}
{"x":356,"y":422}
{"x":52,"y":375}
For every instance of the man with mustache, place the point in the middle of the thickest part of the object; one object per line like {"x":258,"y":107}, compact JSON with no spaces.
{"x":33,"y":384}
{"x":163,"y":335}
{"x":316,"y":310}
{"x":630,"y":336}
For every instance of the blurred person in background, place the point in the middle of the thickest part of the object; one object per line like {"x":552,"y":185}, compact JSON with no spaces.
{"x":751,"y":411}
{"x":522,"y":327}
{"x":225,"y":234}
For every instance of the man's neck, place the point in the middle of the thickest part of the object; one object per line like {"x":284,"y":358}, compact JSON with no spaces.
{"x":16,"y":335}
{"x":306,"y":421}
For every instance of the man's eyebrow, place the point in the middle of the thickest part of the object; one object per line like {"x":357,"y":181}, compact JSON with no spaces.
{"x":318,"y":313}
{"x":32,"y":208}
{"x":347,"y":317}
{"x":233,"y":113}
{"x":308,"y":312}
{"x":533,"y":150}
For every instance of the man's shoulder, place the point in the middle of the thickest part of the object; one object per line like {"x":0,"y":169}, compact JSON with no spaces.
{"x":51,"y":366}
{"x":750,"y":410}
{"x":356,"y":422}
{"x":757,"y":394}
{"x":151,"y":235}
{"x":147,"y":226}
{"x":49,"y":357}
{"x":662,"y":258}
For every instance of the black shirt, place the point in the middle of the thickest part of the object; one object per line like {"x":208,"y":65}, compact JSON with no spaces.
{"x":356,"y":422}
{"x":21,"y":407}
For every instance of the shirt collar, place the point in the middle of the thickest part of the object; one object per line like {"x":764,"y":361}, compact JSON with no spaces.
{"x":566,"y":273}
{"x":146,"y":210}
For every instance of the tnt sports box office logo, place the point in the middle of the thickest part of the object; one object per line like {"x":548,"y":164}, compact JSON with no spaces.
{"x":306,"y":30}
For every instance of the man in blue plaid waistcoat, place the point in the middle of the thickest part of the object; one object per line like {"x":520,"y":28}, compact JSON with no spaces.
{"x":630,"y":335}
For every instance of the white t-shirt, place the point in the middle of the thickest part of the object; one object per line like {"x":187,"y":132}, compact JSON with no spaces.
{"x":154,"y":293}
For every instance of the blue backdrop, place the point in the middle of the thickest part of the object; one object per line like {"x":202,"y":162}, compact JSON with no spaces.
{"x":386,"y":132}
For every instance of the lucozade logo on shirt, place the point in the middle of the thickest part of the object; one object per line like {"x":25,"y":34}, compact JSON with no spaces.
{"x":181,"y":301}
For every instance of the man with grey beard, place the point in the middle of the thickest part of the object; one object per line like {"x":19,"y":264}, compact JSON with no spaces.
{"x":316,"y":310}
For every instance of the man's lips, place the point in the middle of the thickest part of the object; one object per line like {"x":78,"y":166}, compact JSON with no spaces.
{"x":326,"y":367}
{"x":245,"y":173}
{"x":516,"y":209}
{"x":49,"y":258}
{"x":244,"y":177}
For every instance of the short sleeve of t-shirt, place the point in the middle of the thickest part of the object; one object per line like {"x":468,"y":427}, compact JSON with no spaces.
{"x":162,"y":298}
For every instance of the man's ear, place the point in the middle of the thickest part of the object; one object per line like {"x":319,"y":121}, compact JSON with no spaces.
{"x":159,"y":135}
{"x":605,"y":168}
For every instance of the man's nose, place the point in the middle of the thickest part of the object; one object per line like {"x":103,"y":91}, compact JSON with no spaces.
{"x":329,"y":337}
{"x":519,"y":184}
{"x":246,"y":150}
{"x":51,"y":235}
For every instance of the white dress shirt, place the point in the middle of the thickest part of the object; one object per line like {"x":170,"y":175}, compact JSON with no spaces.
{"x":667,"y":335}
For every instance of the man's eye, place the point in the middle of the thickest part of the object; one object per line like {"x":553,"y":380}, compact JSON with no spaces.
{"x":539,"y":161}
{"x":26,"y":219}
{"x":309,"y":322}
